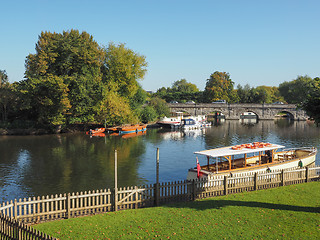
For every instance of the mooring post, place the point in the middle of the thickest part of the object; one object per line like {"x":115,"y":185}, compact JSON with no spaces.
{"x":115,"y":182}
{"x":157,"y":187}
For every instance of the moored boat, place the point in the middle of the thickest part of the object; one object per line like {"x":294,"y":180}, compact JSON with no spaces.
{"x":95,"y":131}
{"x":131,"y":129}
{"x":252,"y":157}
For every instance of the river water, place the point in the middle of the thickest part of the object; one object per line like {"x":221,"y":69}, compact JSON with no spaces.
{"x":53,"y":164}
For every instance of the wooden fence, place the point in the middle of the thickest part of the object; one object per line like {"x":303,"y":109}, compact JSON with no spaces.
{"x":47,"y":208}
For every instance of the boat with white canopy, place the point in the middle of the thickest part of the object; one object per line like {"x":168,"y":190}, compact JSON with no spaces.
{"x":251,"y":157}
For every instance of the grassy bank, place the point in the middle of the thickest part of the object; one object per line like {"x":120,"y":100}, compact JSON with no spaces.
{"x":291,"y":212}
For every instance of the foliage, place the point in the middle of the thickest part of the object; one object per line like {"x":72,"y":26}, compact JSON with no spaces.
{"x":3,"y":77}
{"x":260,"y":94}
{"x":48,"y":99}
{"x":123,"y":68}
{"x":7,"y":98}
{"x":180,"y":91}
{"x":312,"y":103}
{"x":183,"y":86}
{"x":148,"y":114}
{"x":219,"y":86}
{"x":160,"y":106}
{"x":298,"y":90}
{"x":87,"y":75}
{"x":115,"y":110}
{"x":289,"y":212}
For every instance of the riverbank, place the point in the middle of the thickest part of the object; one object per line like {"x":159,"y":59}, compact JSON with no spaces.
{"x":69,"y":129}
{"x":289,"y":212}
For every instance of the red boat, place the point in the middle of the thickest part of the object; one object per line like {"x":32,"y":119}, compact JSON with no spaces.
{"x":96,"y":131}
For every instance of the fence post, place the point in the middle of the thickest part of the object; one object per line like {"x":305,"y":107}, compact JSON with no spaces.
{"x":225,"y":185}
{"x":255,"y":181}
{"x":15,"y":209}
{"x":115,"y":182}
{"x":194,"y":186}
{"x":307,"y":174}
{"x":68,"y":206}
{"x":282,"y":178}
{"x":157,"y":185}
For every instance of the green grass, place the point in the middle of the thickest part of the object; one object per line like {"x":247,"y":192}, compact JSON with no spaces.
{"x":291,"y":212}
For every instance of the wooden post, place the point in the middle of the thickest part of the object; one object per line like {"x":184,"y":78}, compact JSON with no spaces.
{"x":225,"y":185}
{"x":68,"y":207}
{"x":157,"y":186}
{"x":255,"y":181}
{"x":15,"y":206}
{"x":115,"y":181}
{"x":307,"y":174}
{"x":194,"y":186}
{"x":282,"y":178}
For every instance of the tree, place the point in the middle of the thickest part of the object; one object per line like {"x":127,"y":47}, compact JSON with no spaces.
{"x":219,"y":86}
{"x":48,"y":99}
{"x":76,"y":59}
{"x":6,"y":95}
{"x":160,"y":106}
{"x":312,"y":103}
{"x":183,"y":86}
{"x":148,"y":114}
{"x":296,"y":91}
{"x":3,"y":77}
{"x":115,"y":110}
{"x":123,"y":68}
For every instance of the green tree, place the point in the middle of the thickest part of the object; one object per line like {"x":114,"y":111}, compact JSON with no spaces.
{"x":77,"y":60}
{"x":312,"y":103}
{"x":3,"y":77}
{"x":296,"y":91}
{"x":148,"y":114}
{"x":183,"y":86}
{"x":6,"y":95}
{"x":160,"y":106}
{"x":115,"y":110}
{"x":219,"y":86}
{"x":123,"y":68}
{"x":48,"y":99}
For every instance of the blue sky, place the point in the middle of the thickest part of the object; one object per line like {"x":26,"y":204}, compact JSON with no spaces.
{"x":256,"y":42}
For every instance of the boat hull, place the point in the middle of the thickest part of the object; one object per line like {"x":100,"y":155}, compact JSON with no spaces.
{"x":302,"y":161}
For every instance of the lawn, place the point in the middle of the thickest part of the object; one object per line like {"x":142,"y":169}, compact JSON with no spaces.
{"x":291,"y":212}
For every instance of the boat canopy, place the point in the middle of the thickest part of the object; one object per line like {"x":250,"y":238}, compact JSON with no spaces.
{"x":228,"y":151}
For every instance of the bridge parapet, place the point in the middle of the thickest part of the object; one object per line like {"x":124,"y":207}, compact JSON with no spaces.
{"x":234,"y":110}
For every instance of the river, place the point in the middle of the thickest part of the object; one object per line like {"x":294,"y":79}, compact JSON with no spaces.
{"x":52,"y":164}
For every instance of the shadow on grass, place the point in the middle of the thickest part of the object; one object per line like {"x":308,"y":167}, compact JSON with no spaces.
{"x":218,"y":204}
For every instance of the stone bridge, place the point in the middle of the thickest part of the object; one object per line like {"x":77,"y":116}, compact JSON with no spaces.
{"x":234,"y":110}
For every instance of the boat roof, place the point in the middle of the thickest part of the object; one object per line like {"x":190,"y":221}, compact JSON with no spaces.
{"x":228,"y":151}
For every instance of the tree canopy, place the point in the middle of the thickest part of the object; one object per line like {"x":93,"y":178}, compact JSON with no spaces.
{"x":219,"y":86}
{"x":71,"y":79}
{"x":297,"y":90}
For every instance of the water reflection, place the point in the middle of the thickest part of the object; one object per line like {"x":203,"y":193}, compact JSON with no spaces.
{"x":45,"y":165}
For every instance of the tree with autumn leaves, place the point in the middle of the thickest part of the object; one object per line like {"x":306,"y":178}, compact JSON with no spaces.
{"x":219,"y":87}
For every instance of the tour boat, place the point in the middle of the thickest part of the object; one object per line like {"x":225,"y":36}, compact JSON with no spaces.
{"x":251,"y":157}
{"x":131,"y":128}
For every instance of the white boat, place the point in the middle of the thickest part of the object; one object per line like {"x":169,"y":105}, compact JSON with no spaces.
{"x":171,"y":122}
{"x":252,"y":157}
{"x":194,"y":122}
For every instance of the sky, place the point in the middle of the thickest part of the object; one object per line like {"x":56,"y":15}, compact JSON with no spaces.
{"x":256,"y":42}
